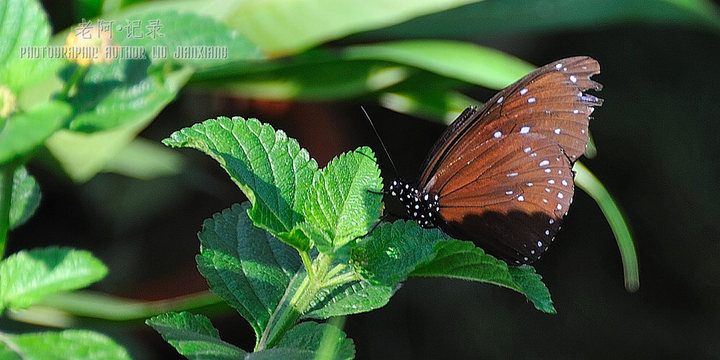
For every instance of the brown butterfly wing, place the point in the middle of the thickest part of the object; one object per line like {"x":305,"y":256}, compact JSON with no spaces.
{"x":504,"y":173}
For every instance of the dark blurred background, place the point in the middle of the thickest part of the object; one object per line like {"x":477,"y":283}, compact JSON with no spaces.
{"x":657,"y":140}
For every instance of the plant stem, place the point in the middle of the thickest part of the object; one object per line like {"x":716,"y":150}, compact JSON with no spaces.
{"x":305,"y":256}
{"x":337,"y":269}
{"x":341,"y":279}
{"x":75,"y":79}
{"x":287,"y":314}
{"x":97,"y":305}
{"x":322,"y":264}
{"x":587,"y":181}
{"x":6,"y":184}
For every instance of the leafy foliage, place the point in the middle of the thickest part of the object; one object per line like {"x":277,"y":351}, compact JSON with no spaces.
{"x":60,"y":345}
{"x":193,"y":336}
{"x":25,"y":197}
{"x":24,"y":132}
{"x":462,"y":260}
{"x":246,"y":265}
{"x":318,"y":215}
{"x":393,"y":251}
{"x":24,"y":24}
{"x":272,"y":170}
{"x":347,"y":203}
{"x":305,"y":340}
{"x":28,"y":276}
{"x":323,"y":215}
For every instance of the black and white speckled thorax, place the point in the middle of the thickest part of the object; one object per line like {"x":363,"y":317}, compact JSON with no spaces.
{"x":423,"y":208}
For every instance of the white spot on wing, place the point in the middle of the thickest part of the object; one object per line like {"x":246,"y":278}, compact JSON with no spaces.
{"x":512,"y":174}
{"x":544,"y":163}
{"x":500,"y":100}
{"x":521,"y":198}
{"x":573,"y":79}
{"x":497,"y":134}
{"x":523,"y":91}
{"x":531,"y":100}
{"x":557,"y":131}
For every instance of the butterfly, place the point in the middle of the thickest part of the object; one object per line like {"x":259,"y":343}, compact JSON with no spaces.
{"x":501,"y":176}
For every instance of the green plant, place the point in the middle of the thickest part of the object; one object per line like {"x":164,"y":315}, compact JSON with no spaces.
{"x":302,"y":247}
{"x":85,"y":120}
{"x":95,"y":106}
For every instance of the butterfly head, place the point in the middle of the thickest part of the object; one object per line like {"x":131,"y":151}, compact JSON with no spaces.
{"x":421,"y":207}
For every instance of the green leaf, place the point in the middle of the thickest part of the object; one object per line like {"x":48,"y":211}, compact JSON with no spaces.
{"x":82,"y":155}
{"x":129,"y":89}
{"x":392,"y":251}
{"x":587,"y":181}
{"x":145,"y":160}
{"x":88,"y":9}
{"x":490,"y":19}
{"x":25,"y":197}
{"x":358,"y":70}
{"x":193,"y":336}
{"x":61,"y":345}
{"x":530,"y":284}
{"x":24,"y":29}
{"x":173,"y":31}
{"x":438,"y":105}
{"x":463,"y":260}
{"x":27,"y":276}
{"x":123,"y":92}
{"x":288,"y":26}
{"x":25,"y":131}
{"x":350,"y":298}
{"x":463,"y":61}
{"x":121,"y":98}
{"x":245,"y":265}
{"x":317,"y":75}
{"x":304,"y":341}
{"x":310,"y":335}
{"x":346,"y":196}
{"x":270,"y":168}
{"x":306,"y":233}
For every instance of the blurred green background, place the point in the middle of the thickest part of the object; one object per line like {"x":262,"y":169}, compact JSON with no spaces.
{"x":657,"y":142}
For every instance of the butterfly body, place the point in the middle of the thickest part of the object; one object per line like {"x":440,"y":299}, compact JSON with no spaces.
{"x":501,"y":176}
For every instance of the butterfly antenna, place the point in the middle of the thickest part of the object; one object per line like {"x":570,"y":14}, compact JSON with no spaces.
{"x":387,"y":153}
